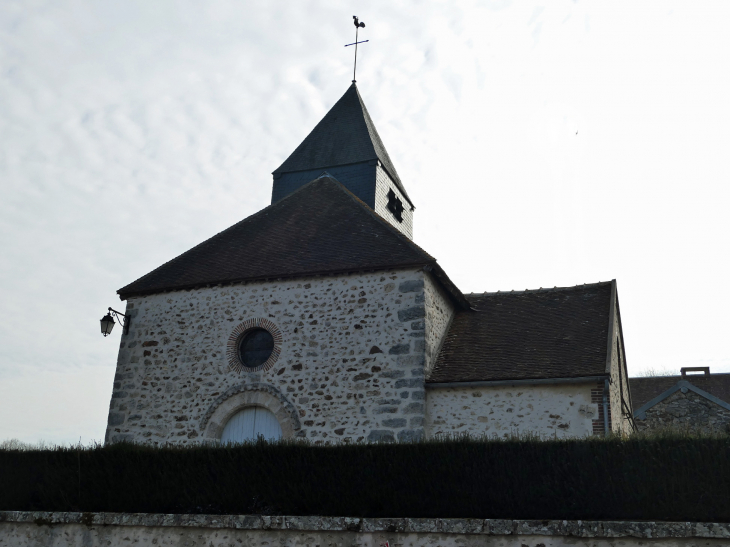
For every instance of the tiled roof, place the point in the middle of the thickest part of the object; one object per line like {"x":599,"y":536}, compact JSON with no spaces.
{"x":344,"y":136}
{"x":644,"y":390}
{"x":540,"y":334}
{"x":321,"y":228}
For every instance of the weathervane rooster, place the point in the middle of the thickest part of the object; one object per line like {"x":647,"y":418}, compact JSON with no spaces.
{"x":358,"y":26}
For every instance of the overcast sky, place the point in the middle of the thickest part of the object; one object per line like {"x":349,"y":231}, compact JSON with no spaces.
{"x":543,"y":144}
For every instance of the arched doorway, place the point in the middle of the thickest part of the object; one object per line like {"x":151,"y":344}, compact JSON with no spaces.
{"x":249,"y":424}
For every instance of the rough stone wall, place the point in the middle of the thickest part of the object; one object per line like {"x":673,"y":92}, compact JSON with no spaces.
{"x":351,"y":361}
{"x":686,"y":411}
{"x":564,"y":410}
{"x":439,"y":313}
{"x":382,"y":186}
{"x":621,"y":410}
{"x":122,"y":529}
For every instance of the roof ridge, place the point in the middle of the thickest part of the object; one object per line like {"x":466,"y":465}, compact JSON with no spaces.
{"x":712,"y":375}
{"x":377,"y":141}
{"x":439,"y":271}
{"x":379,"y":218}
{"x":541,"y":289}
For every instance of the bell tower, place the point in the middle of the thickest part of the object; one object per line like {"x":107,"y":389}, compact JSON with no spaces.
{"x":347,"y":146}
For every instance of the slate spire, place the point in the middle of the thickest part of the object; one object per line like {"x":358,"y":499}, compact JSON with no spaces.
{"x":346,"y":144}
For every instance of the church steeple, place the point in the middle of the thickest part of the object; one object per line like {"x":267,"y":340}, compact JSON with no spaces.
{"x":346,"y":144}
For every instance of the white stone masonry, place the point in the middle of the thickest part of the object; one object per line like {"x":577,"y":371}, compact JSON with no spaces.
{"x":350,"y":368}
{"x":562,"y":410}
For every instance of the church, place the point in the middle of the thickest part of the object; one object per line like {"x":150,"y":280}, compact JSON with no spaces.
{"x":319,"y":318}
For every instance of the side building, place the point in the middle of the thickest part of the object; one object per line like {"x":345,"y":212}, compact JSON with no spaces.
{"x":688,"y":401}
{"x":547,"y":362}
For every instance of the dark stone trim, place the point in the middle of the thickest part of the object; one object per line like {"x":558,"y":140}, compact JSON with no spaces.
{"x":234,"y":362}
{"x":267,"y":388}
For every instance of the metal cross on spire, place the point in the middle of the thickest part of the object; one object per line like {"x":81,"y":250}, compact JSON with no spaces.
{"x":358,"y":26}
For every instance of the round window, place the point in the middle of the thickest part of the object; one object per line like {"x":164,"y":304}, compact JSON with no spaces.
{"x":255,"y":347}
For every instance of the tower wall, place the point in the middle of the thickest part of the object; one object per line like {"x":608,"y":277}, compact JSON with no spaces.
{"x":367,"y":180}
{"x":383,"y":184}
{"x":358,"y":178}
{"x":440,"y":312}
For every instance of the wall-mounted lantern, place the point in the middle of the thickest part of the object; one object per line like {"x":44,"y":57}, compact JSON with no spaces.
{"x":107,"y":322}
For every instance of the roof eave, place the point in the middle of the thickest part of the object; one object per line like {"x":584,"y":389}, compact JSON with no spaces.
{"x":519,"y":381}
{"x":124,"y":294}
{"x":280,"y":171}
{"x":394,"y":177}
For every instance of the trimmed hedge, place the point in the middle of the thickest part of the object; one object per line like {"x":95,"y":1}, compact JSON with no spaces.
{"x":650,"y":478}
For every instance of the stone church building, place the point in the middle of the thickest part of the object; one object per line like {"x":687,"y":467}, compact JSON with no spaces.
{"x":319,"y":318}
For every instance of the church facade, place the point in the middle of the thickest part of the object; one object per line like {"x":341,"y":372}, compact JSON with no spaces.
{"x":335,"y":326}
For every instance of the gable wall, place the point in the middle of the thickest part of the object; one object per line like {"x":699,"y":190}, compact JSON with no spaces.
{"x":439,"y":314}
{"x":565,"y":410}
{"x":621,"y":410}
{"x":351,"y":365}
{"x":383,"y":185}
{"x":686,"y":410}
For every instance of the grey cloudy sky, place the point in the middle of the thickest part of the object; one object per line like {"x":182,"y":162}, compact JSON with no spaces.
{"x":543,"y":144}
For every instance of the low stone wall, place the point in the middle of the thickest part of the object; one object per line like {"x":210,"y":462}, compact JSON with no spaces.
{"x":19,"y":528}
